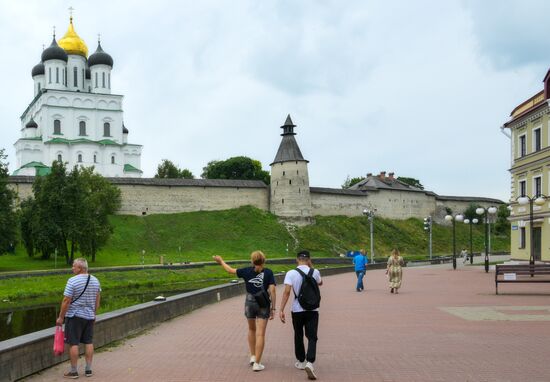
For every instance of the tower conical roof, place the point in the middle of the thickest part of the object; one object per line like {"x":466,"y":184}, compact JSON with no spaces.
{"x":288,"y":149}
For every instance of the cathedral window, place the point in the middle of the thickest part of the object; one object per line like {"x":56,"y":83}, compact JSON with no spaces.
{"x":57,"y":127}
{"x":82,"y":128}
{"x":83,"y":77}
{"x":103,"y":79}
{"x":96,"y":80}
{"x":79,"y":158}
{"x":59,"y":158}
{"x":56,"y":75}
{"x":106,"y":129}
{"x":95,"y":158}
{"x":50,"y":75}
{"x":109,"y":80}
{"x":75,"y":77}
{"x":65,"y":76}
{"x":112,"y":159}
{"x":39,"y":87}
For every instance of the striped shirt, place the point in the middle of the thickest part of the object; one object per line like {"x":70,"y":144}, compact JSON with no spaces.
{"x":84,"y":307}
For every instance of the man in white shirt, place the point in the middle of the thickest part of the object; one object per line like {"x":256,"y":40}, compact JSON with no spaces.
{"x":301,"y":318}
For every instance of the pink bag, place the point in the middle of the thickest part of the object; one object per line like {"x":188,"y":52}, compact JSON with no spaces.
{"x":58,"y":341}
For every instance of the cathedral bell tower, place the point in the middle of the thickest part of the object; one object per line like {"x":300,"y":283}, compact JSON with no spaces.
{"x":290,"y":197}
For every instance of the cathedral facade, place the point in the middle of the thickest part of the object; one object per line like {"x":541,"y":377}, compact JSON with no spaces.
{"x":74,"y":117}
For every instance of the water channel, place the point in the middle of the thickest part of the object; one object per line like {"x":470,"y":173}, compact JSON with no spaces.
{"x":20,"y":321}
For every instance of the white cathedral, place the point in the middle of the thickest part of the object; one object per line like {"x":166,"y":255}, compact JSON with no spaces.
{"x":73,"y":116}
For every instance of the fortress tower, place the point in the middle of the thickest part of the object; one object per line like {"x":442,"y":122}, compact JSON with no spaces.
{"x":290,"y":197}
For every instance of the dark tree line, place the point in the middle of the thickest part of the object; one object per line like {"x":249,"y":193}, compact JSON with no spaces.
{"x":8,"y":218}
{"x":69,"y":213}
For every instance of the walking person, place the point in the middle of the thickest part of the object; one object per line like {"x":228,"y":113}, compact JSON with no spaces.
{"x":304,"y":281}
{"x":78,"y":310}
{"x":360,"y":262}
{"x":464,"y":254}
{"x":259,"y":305}
{"x":395,"y":271}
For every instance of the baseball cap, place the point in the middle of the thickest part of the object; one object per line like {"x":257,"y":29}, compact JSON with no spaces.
{"x":303,"y":255}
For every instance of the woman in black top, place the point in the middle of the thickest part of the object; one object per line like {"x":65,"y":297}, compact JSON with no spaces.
{"x":257,"y":278}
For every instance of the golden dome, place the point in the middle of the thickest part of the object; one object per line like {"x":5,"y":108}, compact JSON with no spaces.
{"x":72,"y":43}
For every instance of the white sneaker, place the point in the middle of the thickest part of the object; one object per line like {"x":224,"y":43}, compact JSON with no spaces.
{"x":252,"y":360}
{"x":310,"y":371}
{"x":300,"y":365}
{"x":258,"y":366}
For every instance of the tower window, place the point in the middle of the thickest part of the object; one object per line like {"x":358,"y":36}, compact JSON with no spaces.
{"x":83,"y":77}
{"x":96,"y":79}
{"x":79,"y":158}
{"x":103,"y":79}
{"x":296,"y":172}
{"x":109,"y":80}
{"x":49,"y":75}
{"x":112,"y":159}
{"x":95,"y":158}
{"x":39,"y":87}
{"x":65,"y":76}
{"x":56,"y":75}
{"x":283,"y":173}
{"x":290,"y":181}
{"x":57,"y":127}
{"x":282,"y":201}
{"x":82,"y":128}
{"x":106,"y":129}
{"x":75,"y":75}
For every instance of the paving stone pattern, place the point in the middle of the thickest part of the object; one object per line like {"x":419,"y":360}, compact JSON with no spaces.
{"x":436,"y":329}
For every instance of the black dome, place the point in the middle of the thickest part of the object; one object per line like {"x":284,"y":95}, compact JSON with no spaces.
{"x":100,"y":58}
{"x":54,"y":52}
{"x":38,"y":69}
{"x":124,"y":129}
{"x":31,"y":124}
{"x":88,"y":74}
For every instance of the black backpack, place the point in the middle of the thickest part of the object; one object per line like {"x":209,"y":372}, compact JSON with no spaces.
{"x":309,"y":295}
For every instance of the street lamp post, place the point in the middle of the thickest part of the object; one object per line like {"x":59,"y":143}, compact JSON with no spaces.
{"x":539,"y":201}
{"x":370,"y":215}
{"x":428,"y":228}
{"x":457,"y":218}
{"x":483,"y":212}
{"x":471,"y":223}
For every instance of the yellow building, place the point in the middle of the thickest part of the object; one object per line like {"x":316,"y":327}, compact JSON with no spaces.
{"x":530,"y":176}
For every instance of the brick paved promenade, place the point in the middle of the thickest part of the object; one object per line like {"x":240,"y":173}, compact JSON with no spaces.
{"x":443,"y":326}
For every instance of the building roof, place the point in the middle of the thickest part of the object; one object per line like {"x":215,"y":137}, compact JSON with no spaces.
{"x":383,"y":182}
{"x":38,"y":69}
{"x":72,"y":43}
{"x":468,"y":199}
{"x":99,"y":57}
{"x":130,"y":168}
{"x":54,"y":52}
{"x":64,"y":141}
{"x":40,"y":168}
{"x":288,"y":149}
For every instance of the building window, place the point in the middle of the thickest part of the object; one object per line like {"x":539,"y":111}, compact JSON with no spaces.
{"x":82,"y":128}
{"x":96,"y":79}
{"x":283,"y":173}
{"x":103,"y":79}
{"x":59,"y":158}
{"x":79,"y":158}
{"x":56,"y":75}
{"x":39,"y":87}
{"x":522,"y":237}
{"x":109,"y":80}
{"x":522,"y":188}
{"x":283,"y":201}
{"x":522,"y":146}
{"x":290,"y":181}
{"x":83,"y":77}
{"x":95,"y":158}
{"x":49,"y":75}
{"x":75,"y":75}
{"x":112,"y":159}
{"x":106,"y":129}
{"x":57,"y":127}
{"x":537,"y":139}
{"x":65,"y":76}
{"x":537,"y":186}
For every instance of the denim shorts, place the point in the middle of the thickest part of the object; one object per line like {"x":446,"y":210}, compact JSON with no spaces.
{"x":253,"y":310}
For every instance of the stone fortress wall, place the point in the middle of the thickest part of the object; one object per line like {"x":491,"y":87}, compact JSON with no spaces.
{"x":161,"y":196}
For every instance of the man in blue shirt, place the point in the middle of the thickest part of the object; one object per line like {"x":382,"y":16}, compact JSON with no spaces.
{"x":360,"y":261}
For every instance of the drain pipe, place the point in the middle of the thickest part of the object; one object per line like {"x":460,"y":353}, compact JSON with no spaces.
{"x":505,"y":132}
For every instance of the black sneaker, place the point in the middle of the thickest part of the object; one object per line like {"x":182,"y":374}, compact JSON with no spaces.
{"x":71,"y":375}
{"x":88,"y":373}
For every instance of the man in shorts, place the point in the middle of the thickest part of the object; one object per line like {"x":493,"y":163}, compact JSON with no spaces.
{"x":78,"y":311}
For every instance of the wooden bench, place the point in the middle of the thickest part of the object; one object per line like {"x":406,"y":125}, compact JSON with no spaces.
{"x":523,"y":273}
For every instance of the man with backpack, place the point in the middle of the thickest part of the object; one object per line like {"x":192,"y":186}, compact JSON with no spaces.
{"x":304,"y":281}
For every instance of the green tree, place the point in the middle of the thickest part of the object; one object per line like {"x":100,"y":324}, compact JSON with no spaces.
{"x":100,"y":199}
{"x":351,"y":181}
{"x":470,"y":212}
{"x":8,"y":217}
{"x":26,"y":223}
{"x":502,"y":225}
{"x":167,"y":169}
{"x":411,"y":182}
{"x":240,"y":167}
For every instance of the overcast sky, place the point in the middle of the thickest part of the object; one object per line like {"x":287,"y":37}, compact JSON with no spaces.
{"x":419,"y":88}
